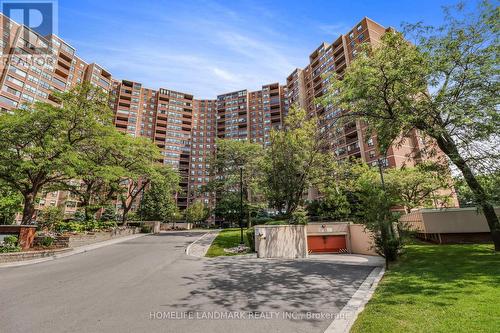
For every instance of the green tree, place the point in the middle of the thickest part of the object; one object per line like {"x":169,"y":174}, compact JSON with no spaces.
{"x":445,"y":86}
{"x":196,"y":212}
{"x":422,"y":186}
{"x":233,"y":156}
{"x":374,"y":210}
{"x":49,"y":216}
{"x":108,"y":214}
{"x":293,"y":161}
{"x":227,"y":206}
{"x":158,"y":203}
{"x":10,"y":203}
{"x":332,"y":202}
{"x":491,"y":184}
{"x":141,"y":167}
{"x":38,"y":143}
{"x":101,"y":164}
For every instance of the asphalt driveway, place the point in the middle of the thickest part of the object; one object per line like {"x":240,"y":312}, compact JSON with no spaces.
{"x":148,"y":284}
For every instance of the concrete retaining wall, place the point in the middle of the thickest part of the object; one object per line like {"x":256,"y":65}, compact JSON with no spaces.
{"x":451,"y":220}
{"x":281,"y":241}
{"x":332,"y":228}
{"x":290,"y":241}
{"x":361,"y":240}
{"x":154,"y":225}
{"x":178,"y":225}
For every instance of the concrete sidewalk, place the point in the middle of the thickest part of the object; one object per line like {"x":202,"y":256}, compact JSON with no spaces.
{"x":76,"y":250}
{"x":200,"y":246}
{"x":349,"y":259}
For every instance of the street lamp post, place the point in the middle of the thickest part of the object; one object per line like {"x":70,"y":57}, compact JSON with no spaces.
{"x":380,"y":169}
{"x":241,"y":206}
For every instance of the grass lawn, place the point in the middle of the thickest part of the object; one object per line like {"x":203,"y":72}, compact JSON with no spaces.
{"x":227,"y":238}
{"x":445,"y":288}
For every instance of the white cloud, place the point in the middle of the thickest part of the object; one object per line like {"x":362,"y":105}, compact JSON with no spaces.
{"x":333,"y":30}
{"x":203,"y":54}
{"x":225,"y":75}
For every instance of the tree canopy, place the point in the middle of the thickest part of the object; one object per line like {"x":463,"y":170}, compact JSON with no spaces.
{"x":445,"y":85}
{"x":38,"y":143}
{"x":294,"y":161}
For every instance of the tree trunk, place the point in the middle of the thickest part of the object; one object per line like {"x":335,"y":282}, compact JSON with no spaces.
{"x":28,"y":209}
{"x":449,"y":147}
{"x":248,"y":197}
{"x":86,"y":209}
{"x":124,"y":215}
{"x":86,"y":201}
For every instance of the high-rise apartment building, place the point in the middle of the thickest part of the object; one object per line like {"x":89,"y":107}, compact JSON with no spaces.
{"x":305,"y":86}
{"x":164,"y":116}
{"x":185,"y":128}
{"x":203,"y":137}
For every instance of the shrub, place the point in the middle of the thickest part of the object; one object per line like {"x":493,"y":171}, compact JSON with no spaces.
{"x":79,"y":216}
{"x":277,"y":222}
{"x":69,"y":227}
{"x":47,"y":241}
{"x":146,"y":229}
{"x":10,"y":244}
{"x":251,"y":238}
{"x":49,"y":217}
{"x":389,"y":249}
{"x":10,"y":240}
{"x":299,"y":216}
{"x":107,"y":225}
{"x":261,"y":220}
{"x":92,"y":225}
{"x":108,"y":214}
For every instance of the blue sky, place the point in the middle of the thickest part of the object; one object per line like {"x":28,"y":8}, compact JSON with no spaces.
{"x":211,"y":47}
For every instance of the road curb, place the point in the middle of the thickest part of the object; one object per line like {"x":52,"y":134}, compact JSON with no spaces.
{"x":76,"y":250}
{"x":347,"y":316}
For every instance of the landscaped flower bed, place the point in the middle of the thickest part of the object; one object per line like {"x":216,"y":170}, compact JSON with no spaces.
{"x":10,"y":244}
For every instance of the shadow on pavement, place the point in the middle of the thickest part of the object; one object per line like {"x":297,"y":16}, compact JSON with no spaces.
{"x":271,"y":285}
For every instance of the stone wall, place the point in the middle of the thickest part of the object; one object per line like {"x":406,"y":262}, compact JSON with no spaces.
{"x":59,"y":241}
{"x":88,"y":238}
{"x":29,"y":255}
{"x":91,"y":238}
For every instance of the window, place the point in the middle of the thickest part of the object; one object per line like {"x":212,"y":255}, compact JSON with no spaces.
{"x":28,"y":98}
{"x":31,"y":89}
{"x":14,"y":80}
{"x":42,"y":94}
{"x":17,"y":71}
{"x":58,"y":82}
{"x":11,"y":91}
